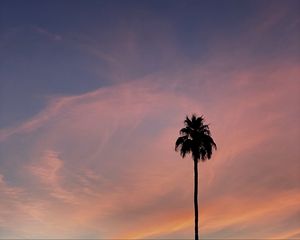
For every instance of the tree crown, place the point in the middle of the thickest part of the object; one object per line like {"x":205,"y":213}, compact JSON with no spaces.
{"x":195,"y":138}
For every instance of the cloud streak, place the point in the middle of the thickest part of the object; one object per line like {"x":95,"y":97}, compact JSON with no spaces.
{"x":92,"y":150}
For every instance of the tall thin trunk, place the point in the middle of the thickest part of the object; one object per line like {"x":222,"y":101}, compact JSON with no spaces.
{"x":196,"y":197}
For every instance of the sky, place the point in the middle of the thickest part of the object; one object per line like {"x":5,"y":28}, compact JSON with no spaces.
{"x":93,"y":95}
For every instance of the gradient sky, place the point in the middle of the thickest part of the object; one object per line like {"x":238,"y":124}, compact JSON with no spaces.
{"x":93,"y":93}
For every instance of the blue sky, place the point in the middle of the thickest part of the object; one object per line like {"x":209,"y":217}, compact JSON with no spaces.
{"x":44,"y":44}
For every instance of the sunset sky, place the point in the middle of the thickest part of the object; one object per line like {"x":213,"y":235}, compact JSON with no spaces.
{"x":93,"y":94}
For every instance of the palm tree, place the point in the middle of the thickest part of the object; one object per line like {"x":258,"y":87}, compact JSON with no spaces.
{"x":195,"y":138}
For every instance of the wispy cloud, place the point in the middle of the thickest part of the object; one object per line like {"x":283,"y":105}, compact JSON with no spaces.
{"x":114,"y":159}
{"x":48,"y":171}
{"x":45,"y":32}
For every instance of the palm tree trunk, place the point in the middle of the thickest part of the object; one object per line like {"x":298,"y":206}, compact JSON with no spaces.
{"x":196,"y":197}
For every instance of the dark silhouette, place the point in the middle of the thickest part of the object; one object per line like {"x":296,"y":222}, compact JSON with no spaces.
{"x":195,"y":138}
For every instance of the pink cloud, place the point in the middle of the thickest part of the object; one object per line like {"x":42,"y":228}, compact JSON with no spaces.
{"x":112,"y":163}
{"x":48,"y":172}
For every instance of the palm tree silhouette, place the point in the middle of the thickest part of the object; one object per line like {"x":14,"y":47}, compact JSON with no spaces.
{"x":195,"y":138}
